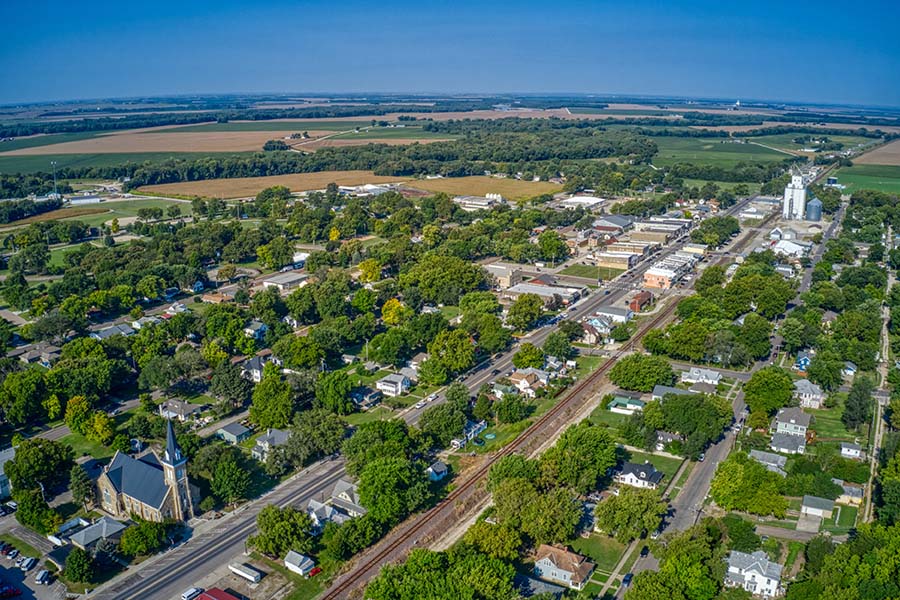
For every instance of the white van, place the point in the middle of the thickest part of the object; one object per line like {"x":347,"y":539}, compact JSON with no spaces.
{"x":191,"y":593}
{"x":42,"y":577}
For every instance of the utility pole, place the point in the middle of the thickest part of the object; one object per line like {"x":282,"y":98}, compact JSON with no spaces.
{"x":53,"y":165}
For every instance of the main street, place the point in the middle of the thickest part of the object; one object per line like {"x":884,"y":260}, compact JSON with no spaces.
{"x":161,"y":578}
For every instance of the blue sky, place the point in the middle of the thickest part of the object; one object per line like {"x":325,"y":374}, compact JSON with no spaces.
{"x":798,"y":51}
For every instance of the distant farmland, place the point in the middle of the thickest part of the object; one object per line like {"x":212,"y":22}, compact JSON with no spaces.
{"x":889,"y":154}
{"x":885,"y":178}
{"x":710,"y":151}
{"x":250,"y":186}
{"x":480,"y":185}
{"x":30,"y":164}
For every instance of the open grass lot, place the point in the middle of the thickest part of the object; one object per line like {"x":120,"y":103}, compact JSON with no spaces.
{"x":83,"y":446}
{"x":101,"y":213}
{"x":669,"y":466}
{"x":842,"y":520}
{"x":592,"y":272}
{"x":888,"y":154}
{"x":885,"y":178}
{"x":603,"y":550}
{"x":10,"y":163}
{"x":58,"y":255}
{"x":250,"y":186}
{"x":828,"y":426}
{"x":479,"y":185}
{"x":713,"y":152}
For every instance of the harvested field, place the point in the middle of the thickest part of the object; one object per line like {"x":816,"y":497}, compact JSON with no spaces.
{"x":480,"y":185}
{"x":734,"y":128}
{"x":250,"y":186}
{"x":888,"y":154}
{"x":338,"y":142}
{"x":138,"y":142}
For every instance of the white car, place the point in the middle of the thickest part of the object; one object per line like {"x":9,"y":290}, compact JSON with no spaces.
{"x":431,"y":398}
{"x":420,"y":404}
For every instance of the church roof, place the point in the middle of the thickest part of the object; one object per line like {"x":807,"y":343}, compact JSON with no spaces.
{"x":141,"y":479}
{"x":172,"y":454}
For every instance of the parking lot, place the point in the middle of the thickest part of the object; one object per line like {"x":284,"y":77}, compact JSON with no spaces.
{"x":11,"y":575}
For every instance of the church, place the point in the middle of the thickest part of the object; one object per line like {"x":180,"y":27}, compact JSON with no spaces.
{"x":152,"y":487}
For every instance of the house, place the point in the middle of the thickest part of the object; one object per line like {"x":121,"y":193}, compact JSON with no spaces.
{"x":754,"y":573}
{"x":849,"y":369}
{"x":234,"y":433}
{"x":411,"y":374}
{"x":698,"y":375}
{"x":195,"y":288}
{"x":393,"y":385}
{"x":809,"y":394}
{"x":526,"y":383}
{"x":853,"y":451}
{"x":286,"y":282}
{"x":625,"y":405}
{"x":170,"y":293}
{"x":817,"y":507}
{"x":850,"y":492}
{"x":345,"y":498}
{"x":290,"y":321}
{"x":176,"y":409}
{"x":113,"y":330}
{"x":664,"y":438}
{"x":792,"y":421}
{"x":349,"y":359}
{"x":660,"y":391}
{"x":501,"y":390}
{"x":41,"y":354}
{"x":592,"y":335}
{"x":253,"y":368}
{"x":5,"y":487}
{"x":640,"y":301}
{"x":788,"y":443}
{"x":103,"y":528}
{"x":562,"y":566}
{"x":791,"y":249}
{"x":639,"y":475}
{"x":299,"y":563}
{"x":802,"y":362}
{"x":324,"y":513}
{"x":470,"y":432}
{"x":152,"y":487}
{"x":256,"y":330}
{"x":147,"y":321}
{"x":552,"y":365}
{"x":615,"y":314}
{"x":268,"y":441}
{"x":529,"y":587}
{"x":365,"y":397}
{"x":299,"y":259}
{"x":175,"y":309}
{"x":416,"y":361}
{"x":216,"y":298}
{"x":437,"y":471}
{"x":772,"y":462}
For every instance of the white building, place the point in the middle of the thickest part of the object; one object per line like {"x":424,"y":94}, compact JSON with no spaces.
{"x":700,"y":375}
{"x":754,"y":573}
{"x":639,"y":476}
{"x":794,"y":202}
{"x":393,"y":385}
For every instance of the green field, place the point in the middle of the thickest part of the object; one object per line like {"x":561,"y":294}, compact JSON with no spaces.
{"x":111,"y":210}
{"x":45,"y":140}
{"x":710,"y":151}
{"x":299,"y":126}
{"x":885,"y":178}
{"x":605,"y":551}
{"x":786,"y":140}
{"x":827,"y":425}
{"x":592,"y":272}
{"x":389,"y":133}
{"x":32,"y":164}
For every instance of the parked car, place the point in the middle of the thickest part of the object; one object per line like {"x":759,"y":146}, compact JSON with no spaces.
{"x":645,"y":551}
{"x":12,"y":554}
{"x":626,"y":581}
{"x":42,"y":577}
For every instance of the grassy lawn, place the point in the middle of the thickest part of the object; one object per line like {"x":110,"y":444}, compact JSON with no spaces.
{"x":58,"y":255}
{"x":379,"y":413}
{"x":586,"y":364}
{"x":795,"y":503}
{"x":827,"y":424}
{"x":83,"y":446}
{"x":601,"y":416}
{"x":710,"y":151}
{"x":885,"y":178}
{"x":450,"y":312}
{"x":303,"y":588}
{"x":592,"y":272}
{"x":22,"y":547}
{"x":603,"y":550}
{"x":794,"y":550}
{"x":669,"y":466}
{"x":842,"y":520}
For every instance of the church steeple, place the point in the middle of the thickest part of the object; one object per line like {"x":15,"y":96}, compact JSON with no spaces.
{"x":174,"y":465}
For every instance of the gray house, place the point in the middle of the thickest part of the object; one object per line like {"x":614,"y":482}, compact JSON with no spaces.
{"x":268,"y":441}
{"x":792,"y":421}
{"x":772,"y":462}
{"x":234,"y":433}
{"x":809,"y":394}
{"x":817,"y":507}
{"x":103,"y":528}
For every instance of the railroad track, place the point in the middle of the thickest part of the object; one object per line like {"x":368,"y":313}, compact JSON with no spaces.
{"x":423,"y":521}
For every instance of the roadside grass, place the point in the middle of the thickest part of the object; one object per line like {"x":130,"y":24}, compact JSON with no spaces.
{"x":378,"y":413}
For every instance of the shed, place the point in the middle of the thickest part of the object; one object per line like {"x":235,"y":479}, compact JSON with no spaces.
{"x":299,"y":563}
{"x":817,"y":507}
{"x":234,"y":433}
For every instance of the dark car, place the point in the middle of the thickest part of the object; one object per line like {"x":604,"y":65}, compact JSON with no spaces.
{"x":645,"y":551}
{"x":495,"y":372}
{"x":626,"y":581}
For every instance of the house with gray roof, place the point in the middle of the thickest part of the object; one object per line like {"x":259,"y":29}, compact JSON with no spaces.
{"x":772,"y":462}
{"x":5,"y":487}
{"x":177,"y":409}
{"x":639,"y":475}
{"x":659,"y":392}
{"x":322,"y":513}
{"x":754,"y":573}
{"x":393,"y":385}
{"x":787,"y":443}
{"x":700,"y":375}
{"x":234,"y":433}
{"x":114,"y":330}
{"x":851,"y":493}
{"x":792,"y":421}
{"x":817,"y":507}
{"x":809,"y":394}
{"x":345,"y":498}
{"x":852,"y":451}
{"x":268,"y":441}
{"x":103,"y":528}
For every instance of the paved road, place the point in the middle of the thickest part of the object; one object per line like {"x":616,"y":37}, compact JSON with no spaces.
{"x":163,"y":577}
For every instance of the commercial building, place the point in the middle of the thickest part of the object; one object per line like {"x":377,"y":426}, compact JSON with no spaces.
{"x":615,"y":314}
{"x":505,"y":276}
{"x":640,"y":301}
{"x":793,"y":204}
{"x":474,"y":203}
{"x":616,"y":260}
{"x":631,"y":246}
{"x":590,"y":203}
{"x":287,"y":281}
{"x":547,"y":293}
{"x":669,"y":271}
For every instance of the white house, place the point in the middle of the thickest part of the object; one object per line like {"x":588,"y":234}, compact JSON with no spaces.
{"x":615,"y":313}
{"x":853,"y":451}
{"x":393,"y":385}
{"x":470,"y":432}
{"x":817,"y":507}
{"x":299,"y":563}
{"x":639,"y":476}
{"x":256,"y":329}
{"x":625,"y":405}
{"x":561,"y":566}
{"x":526,"y":383}
{"x":754,"y":573}
{"x":698,"y":375}
{"x":809,"y":394}
{"x":791,"y":248}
